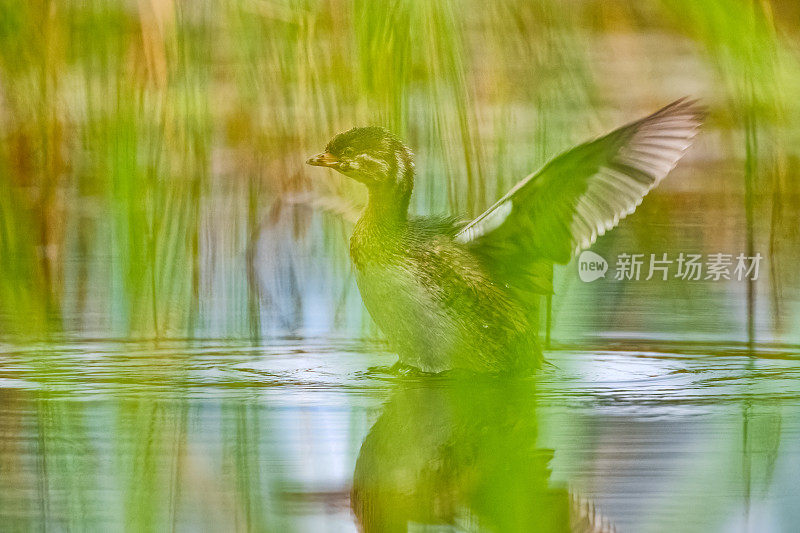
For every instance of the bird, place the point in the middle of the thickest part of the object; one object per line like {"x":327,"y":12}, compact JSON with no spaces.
{"x":450,"y":295}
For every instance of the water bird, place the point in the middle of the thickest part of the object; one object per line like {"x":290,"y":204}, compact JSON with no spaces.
{"x":450,"y":295}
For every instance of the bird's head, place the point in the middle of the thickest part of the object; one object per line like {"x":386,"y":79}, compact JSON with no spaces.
{"x":370,"y":155}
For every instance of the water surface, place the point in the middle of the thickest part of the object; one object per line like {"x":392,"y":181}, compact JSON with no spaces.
{"x":296,"y":435}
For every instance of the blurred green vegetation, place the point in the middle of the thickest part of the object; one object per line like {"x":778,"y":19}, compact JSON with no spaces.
{"x":152,"y":185}
{"x":151,"y":153}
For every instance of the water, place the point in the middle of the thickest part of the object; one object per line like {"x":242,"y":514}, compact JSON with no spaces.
{"x":658,"y":436}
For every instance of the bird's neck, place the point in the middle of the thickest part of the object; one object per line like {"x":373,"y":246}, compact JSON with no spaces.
{"x":386,"y":207}
{"x":389,"y":199}
{"x":382,"y":224}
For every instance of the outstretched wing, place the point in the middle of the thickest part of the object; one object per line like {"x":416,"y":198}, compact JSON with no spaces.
{"x":584,"y":192}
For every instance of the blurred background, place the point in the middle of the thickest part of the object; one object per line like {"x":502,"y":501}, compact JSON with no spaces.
{"x":181,"y":332}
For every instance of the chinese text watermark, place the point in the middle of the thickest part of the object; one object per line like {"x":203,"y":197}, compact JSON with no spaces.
{"x":683,"y":266}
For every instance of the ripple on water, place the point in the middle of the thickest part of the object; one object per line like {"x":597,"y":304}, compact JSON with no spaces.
{"x":643,"y":428}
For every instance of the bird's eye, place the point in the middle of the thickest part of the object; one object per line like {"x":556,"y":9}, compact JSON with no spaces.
{"x":348,"y":152}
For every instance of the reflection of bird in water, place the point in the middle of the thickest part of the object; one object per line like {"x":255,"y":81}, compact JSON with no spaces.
{"x":453,"y":296}
{"x":462,"y":453}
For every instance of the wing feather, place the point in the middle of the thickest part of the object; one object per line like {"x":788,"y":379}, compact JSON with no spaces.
{"x":586,"y":191}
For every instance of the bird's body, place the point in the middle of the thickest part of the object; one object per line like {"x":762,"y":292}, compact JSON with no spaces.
{"x":434,"y":300}
{"x":452,"y":296}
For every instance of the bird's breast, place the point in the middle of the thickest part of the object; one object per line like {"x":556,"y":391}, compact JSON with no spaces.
{"x":374,"y":244}
{"x":407,"y":307}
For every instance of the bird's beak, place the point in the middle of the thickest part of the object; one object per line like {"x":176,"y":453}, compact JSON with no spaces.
{"x":325,"y":159}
